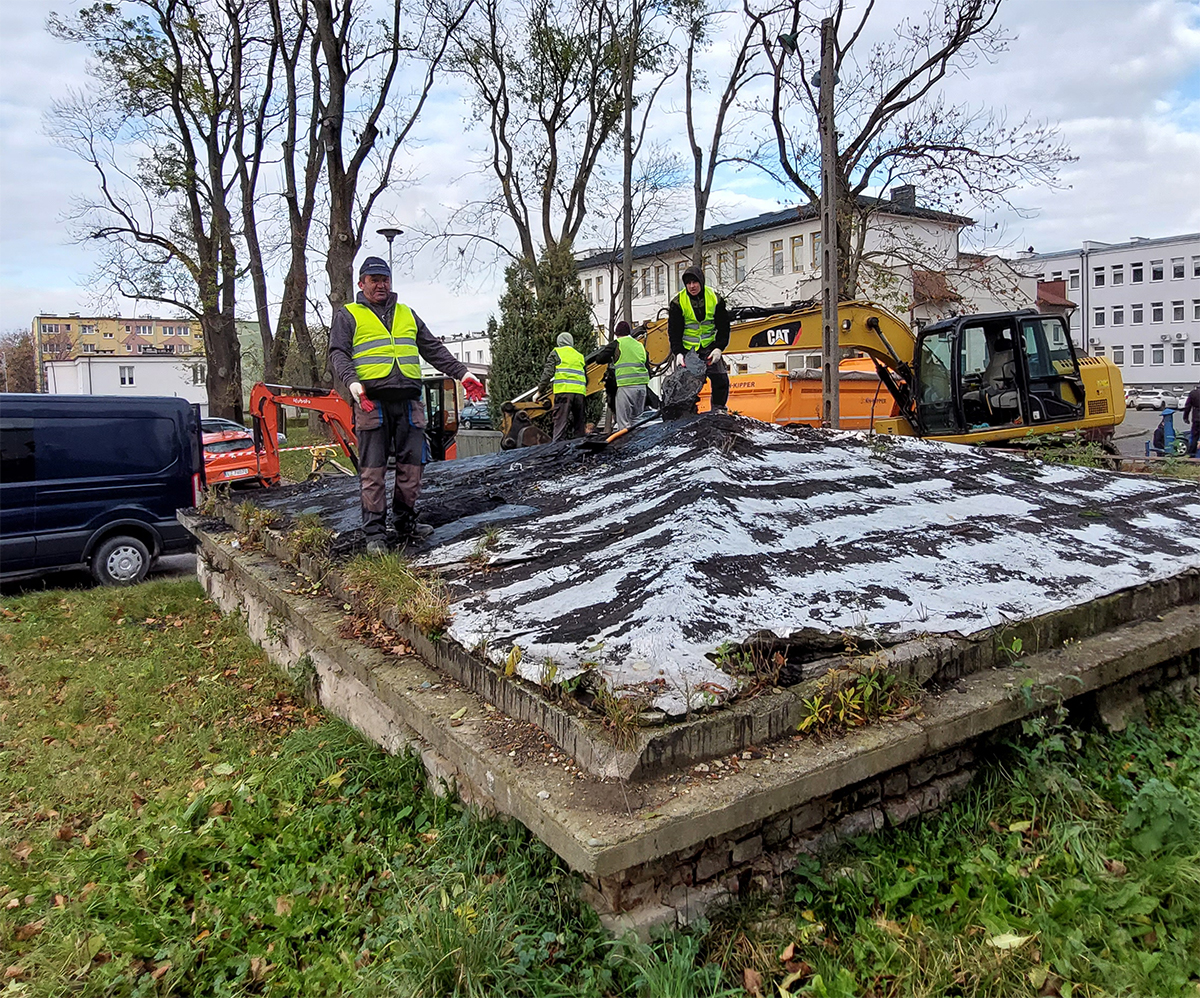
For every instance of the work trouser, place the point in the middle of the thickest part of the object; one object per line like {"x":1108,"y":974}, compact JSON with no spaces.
{"x":395,"y":427}
{"x":568,"y":415}
{"x":718,"y":376}
{"x":1193,"y":439}
{"x":631,"y":400}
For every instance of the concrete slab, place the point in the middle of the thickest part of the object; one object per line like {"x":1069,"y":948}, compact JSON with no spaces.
{"x":641,"y":562}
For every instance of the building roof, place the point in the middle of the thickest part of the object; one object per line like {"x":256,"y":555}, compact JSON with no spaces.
{"x":1099,"y":247}
{"x":932,"y":286}
{"x":1054,"y":293}
{"x":770,"y":220}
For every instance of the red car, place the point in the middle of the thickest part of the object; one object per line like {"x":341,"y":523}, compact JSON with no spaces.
{"x":229,"y":455}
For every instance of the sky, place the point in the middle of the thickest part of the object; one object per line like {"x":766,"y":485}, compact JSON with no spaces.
{"x":1120,"y":79}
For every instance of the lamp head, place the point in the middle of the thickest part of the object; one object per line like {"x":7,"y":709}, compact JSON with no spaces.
{"x":789,"y":41}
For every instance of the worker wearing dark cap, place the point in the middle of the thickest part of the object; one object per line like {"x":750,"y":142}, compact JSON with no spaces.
{"x":697,"y":320}
{"x":631,"y":372}
{"x":375,"y":348}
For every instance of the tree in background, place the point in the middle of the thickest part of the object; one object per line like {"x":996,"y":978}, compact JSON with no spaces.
{"x":895,"y":126}
{"x":541,"y":300}
{"x":18,"y":365}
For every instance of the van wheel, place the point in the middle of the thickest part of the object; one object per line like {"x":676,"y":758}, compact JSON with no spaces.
{"x":120,"y":561}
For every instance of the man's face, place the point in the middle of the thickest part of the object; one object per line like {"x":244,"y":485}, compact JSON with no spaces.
{"x":375,"y":287}
{"x":693,"y":287}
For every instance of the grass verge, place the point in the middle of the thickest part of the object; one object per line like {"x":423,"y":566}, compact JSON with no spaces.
{"x":175,"y":821}
{"x":389,"y":580}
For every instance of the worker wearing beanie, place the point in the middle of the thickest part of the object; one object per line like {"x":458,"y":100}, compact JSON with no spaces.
{"x":375,"y":348}
{"x":631,"y":370}
{"x":566,"y":372}
{"x":697,"y":320}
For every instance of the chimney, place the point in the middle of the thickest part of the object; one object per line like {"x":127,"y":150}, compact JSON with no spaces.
{"x":904,"y":196}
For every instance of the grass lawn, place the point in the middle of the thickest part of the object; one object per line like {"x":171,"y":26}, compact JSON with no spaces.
{"x":173,"y":820}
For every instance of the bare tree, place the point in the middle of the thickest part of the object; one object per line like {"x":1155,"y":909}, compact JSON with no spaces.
{"x":162,"y":106}
{"x":357,"y":108}
{"x":699,"y":22}
{"x":895,"y":126}
{"x":543,"y":75}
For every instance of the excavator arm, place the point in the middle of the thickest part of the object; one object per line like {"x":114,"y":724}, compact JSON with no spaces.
{"x":265,"y":400}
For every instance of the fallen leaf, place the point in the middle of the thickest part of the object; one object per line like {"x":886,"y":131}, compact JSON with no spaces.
{"x":458,"y":714}
{"x":13,"y":972}
{"x":137,"y":799}
{"x":219,"y":809}
{"x":136,"y":858}
{"x":785,"y":986}
{"x":1007,"y":940}
{"x":222,"y":769}
{"x":752,"y":981}
{"x":428,"y":837}
{"x":87,"y":889}
{"x":1020,"y":826}
{"x":13,"y":903}
{"x":29,"y":930}
{"x":890,"y":927}
{"x":1115,"y":867}
{"x":157,"y":973}
{"x":259,"y":968}
{"x":788,"y":952}
{"x":199,"y":784}
{"x":203,"y":935}
{"x":283,"y":905}
{"x":65,"y":833}
{"x":22,"y":850}
{"x":59,"y":901}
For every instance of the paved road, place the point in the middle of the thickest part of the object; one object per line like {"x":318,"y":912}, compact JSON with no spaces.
{"x":1137,"y":429}
{"x":175,"y":566}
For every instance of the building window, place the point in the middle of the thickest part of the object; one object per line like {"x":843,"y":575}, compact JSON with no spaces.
{"x":722,"y":266}
{"x":1073,"y":279}
{"x":87,"y":330}
{"x":815,"y":242}
{"x":1136,"y":273}
{"x":600,"y":287}
{"x":779,"y":365}
{"x":1177,"y":353}
{"x":182,"y":331}
{"x":1118,"y":275}
{"x":739,"y":265}
{"x":1098,"y":277}
{"x":1118,"y":356}
{"x":107,"y":336}
{"x":1177,"y":311}
{"x":587,"y":288}
{"x":660,"y":279}
{"x":777,"y":256}
{"x":1139,"y":354}
{"x":144,"y":330}
{"x":1098,"y":352}
{"x":126,"y":375}
{"x":798,"y":254}
{"x":1156,"y":355}
{"x":1156,"y":270}
{"x":1098,"y":317}
{"x":1177,"y":269}
{"x":89,"y":347}
{"x":1118,"y":315}
{"x":645,"y":282}
{"x":743,"y":368}
{"x":1196,"y":266}
{"x":49,"y":327}
{"x":185,"y":348}
{"x":680,"y":267}
{"x":1196,"y":309}
{"x":1156,"y":311}
{"x":1196,"y":353}
{"x":1138,"y":313}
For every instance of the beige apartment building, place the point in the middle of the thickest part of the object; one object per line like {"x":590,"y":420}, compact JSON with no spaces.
{"x":68,"y":337}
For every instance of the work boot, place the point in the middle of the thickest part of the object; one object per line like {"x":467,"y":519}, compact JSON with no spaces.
{"x":377,"y":546}
{"x":719,"y":410}
{"x":410,"y":528}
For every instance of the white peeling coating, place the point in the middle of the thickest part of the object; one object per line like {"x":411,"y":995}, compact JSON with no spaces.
{"x":643,"y":566}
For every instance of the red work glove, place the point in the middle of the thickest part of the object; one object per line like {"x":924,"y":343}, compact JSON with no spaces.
{"x":360,"y":396}
{"x":473,"y":387}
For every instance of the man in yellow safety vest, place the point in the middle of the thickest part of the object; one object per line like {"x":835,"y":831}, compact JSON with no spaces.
{"x":375,"y":347}
{"x":566,"y":370}
{"x":697,"y":320}
{"x":631,"y":370}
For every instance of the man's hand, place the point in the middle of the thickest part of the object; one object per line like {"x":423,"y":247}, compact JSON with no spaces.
{"x":714,"y":356}
{"x":473,"y":387}
{"x":679,"y":359}
{"x":360,"y":396}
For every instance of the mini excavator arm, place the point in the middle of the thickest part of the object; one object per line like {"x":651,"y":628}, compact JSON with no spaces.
{"x":265,"y":400}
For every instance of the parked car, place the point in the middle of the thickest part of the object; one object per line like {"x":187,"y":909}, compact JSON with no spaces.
{"x":218,"y":424}
{"x":92,"y":481}
{"x":476,"y":416}
{"x":1155,"y":398}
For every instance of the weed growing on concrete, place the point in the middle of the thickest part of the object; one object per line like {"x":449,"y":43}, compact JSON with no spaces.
{"x":389,"y":581}
{"x":309,"y":535}
{"x":620,"y":715}
{"x":756,"y":667}
{"x":850,"y":699}
{"x":256,"y":520}
{"x":214,"y":497}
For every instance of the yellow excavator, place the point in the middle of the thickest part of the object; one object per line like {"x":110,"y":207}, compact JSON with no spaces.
{"x":967,"y":379}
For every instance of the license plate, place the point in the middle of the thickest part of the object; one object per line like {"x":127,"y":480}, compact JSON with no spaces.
{"x":237,"y":472}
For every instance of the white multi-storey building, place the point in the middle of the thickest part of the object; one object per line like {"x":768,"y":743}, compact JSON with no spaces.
{"x":138,"y":375}
{"x":1139,"y":303}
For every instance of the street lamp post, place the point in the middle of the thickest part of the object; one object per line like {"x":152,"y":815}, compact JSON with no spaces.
{"x":389,"y":235}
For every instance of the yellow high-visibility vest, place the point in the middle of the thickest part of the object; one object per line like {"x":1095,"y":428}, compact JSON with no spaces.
{"x":570,"y":376}
{"x":698,"y":335}
{"x":375,"y":348}
{"x":630,"y":367}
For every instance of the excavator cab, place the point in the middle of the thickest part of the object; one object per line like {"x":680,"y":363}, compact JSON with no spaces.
{"x":441,"y":415}
{"x":978,"y":373}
